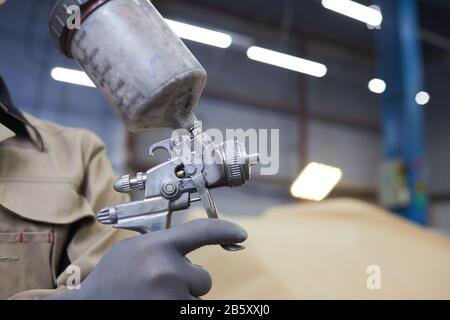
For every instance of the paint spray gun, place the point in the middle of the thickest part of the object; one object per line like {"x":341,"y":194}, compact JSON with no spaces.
{"x":151,"y":80}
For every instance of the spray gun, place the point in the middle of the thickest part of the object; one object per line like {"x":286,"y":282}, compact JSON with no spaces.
{"x":151,"y":80}
{"x":196,"y":164}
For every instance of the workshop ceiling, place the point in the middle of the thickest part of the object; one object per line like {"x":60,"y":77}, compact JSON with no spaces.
{"x":310,"y":19}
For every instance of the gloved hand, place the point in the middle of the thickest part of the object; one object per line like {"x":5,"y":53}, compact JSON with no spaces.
{"x":153,"y":266}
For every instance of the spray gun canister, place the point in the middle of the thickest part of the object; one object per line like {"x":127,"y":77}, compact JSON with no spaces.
{"x":141,"y":67}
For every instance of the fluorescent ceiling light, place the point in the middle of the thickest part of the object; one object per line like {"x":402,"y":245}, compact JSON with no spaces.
{"x":316,"y":181}
{"x":71,"y":76}
{"x":377,"y":86}
{"x":422,"y":98}
{"x":202,"y":35}
{"x":287,"y":61}
{"x":355,"y":10}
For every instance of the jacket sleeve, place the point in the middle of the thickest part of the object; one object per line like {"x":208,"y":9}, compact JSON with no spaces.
{"x":89,"y":240}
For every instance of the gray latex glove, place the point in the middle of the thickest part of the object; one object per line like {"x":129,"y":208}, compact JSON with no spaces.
{"x":153,"y":266}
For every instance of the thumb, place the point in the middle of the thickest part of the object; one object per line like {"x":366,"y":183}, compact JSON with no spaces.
{"x":198,"y":233}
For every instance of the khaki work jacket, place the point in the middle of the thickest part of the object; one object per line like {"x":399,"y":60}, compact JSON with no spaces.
{"x":51,"y":187}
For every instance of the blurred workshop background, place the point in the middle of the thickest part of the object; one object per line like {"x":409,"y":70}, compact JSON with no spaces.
{"x":375,"y":111}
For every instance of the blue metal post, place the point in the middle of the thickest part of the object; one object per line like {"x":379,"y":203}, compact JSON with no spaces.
{"x":400,"y":66}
